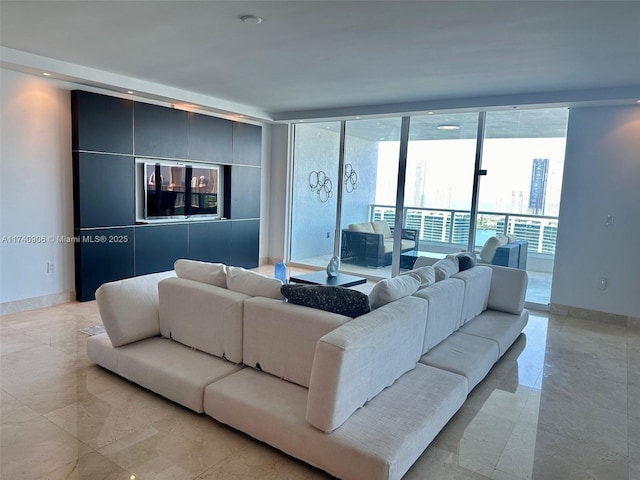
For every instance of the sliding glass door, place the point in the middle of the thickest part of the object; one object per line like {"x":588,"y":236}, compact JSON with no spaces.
{"x":439,"y":181}
{"x":314,"y":195}
{"x":523,"y":154}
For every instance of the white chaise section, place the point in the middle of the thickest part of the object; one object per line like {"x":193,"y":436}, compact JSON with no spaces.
{"x":367,"y":447}
{"x":280,"y":338}
{"x":163,"y":366}
{"x":202,"y":316}
{"x":356,"y":361}
{"x":501,"y":327}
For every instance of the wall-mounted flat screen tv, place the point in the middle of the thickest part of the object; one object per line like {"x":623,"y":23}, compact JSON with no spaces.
{"x":174,"y":190}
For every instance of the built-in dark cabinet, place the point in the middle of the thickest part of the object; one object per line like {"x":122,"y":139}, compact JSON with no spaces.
{"x":101,"y":123}
{"x":102,"y":255}
{"x":247,"y":144}
{"x":159,"y":246}
{"x":160,"y":131}
{"x":245,"y":238}
{"x":210,"y":139}
{"x":109,"y":136}
{"x":245,"y":192}
{"x":104,"y":190}
{"x":210,"y":241}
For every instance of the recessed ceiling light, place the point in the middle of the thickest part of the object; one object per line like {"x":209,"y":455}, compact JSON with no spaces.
{"x":429,"y":113}
{"x":46,"y":74}
{"x":637,"y":101}
{"x":130,"y":92}
{"x":448,"y":126}
{"x":251,"y":19}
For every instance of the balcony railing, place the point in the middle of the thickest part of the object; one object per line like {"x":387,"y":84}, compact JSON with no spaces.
{"x":445,"y":226}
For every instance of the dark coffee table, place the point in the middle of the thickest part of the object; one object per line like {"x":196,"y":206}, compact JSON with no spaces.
{"x":321,"y":278}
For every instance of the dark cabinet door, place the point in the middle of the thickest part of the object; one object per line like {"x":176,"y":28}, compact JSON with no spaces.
{"x":245,"y":238}
{"x":210,"y":242}
{"x":102,"y":255}
{"x":247,"y":144}
{"x":160,"y":131}
{"x":245,"y":192}
{"x":159,"y":246}
{"x":101,"y":123}
{"x":104,"y":190}
{"x":210,"y":138}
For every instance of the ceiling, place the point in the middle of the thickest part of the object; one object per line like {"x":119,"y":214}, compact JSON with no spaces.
{"x":317,"y":59}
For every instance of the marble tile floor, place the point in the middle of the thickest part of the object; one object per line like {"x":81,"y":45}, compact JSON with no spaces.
{"x":563,"y":403}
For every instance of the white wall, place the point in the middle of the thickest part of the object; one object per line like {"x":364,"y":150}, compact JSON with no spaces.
{"x":36,"y":193}
{"x":601,"y":177}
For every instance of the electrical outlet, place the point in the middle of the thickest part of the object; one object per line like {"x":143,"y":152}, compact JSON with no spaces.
{"x":50,"y":267}
{"x":609,"y":220}
{"x":328,"y":234}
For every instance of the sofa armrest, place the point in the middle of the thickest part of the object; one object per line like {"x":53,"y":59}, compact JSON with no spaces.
{"x":508,"y":289}
{"x":356,"y":361}
{"x":129,"y":308}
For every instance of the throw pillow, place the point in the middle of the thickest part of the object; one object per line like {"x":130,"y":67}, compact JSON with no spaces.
{"x":426,"y":275}
{"x":466,"y":260}
{"x":446,"y":267}
{"x":490,"y":246}
{"x":383,"y":228}
{"x":391,"y":289}
{"x":253,"y":284}
{"x":361,"y":227}
{"x":204,"y":272}
{"x":343,"y":301}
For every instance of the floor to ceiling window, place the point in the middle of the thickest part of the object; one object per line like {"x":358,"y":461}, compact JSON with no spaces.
{"x":336,"y":191}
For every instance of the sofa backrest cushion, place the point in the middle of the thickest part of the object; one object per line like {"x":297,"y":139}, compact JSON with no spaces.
{"x":508,"y":289}
{"x":426,"y":275}
{"x":391,"y":289}
{"x":129,"y":308}
{"x":211,"y":273}
{"x":202,"y":316}
{"x":445,"y":299}
{"x":280,"y":338}
{"x":356,"y":361}
{"x":477,"y":283}
{"x":490,"y":246}
{"x":365,"y":227}
{"x":382,"y":227}
{"x":340,"y":300}
{"x":446,"y":267}
{"x":253,"y":284}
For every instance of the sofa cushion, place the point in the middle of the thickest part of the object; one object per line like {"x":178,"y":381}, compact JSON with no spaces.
{"x":211,"y":273}
{"x":383,"y":228}
{"x":426,"y":275}
{"x":490,"y":246}
{"x":253,"y":284}
{"x":202,"y":316}
{"x":280,"y":337}
{"x":365,"y":227}
{"x":464,"y":354}
{"x":501,"y":327}
{"x":477,"y":283}
{"x":445,"y":301}
{"x":508,"y":289}
{"x":466,"y":260}
{"x":340,"y":300}
{"x":446,"y":267}
{"x":129,"y":308}
{"x":390,"y":289}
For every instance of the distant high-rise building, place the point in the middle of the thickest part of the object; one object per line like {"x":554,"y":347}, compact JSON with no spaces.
{"x":537,"y":194}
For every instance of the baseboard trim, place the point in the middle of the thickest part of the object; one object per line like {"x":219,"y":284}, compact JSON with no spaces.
{"x":35,"y":303}
{"x":594,"y":315}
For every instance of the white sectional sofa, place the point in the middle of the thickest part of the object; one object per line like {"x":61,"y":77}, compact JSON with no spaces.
{"x":360,"y":398}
